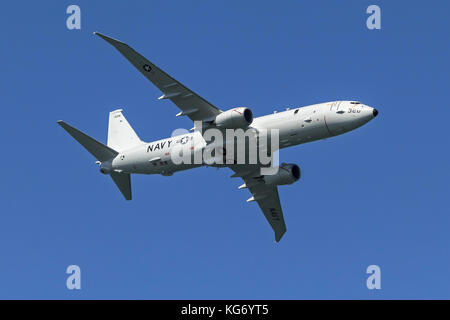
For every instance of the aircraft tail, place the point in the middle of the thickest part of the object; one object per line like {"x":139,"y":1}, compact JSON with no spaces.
{"x":121,"y":135}
{"x":123,"y":182}
{"x":102,"y":153}
{"x":96,"y":148}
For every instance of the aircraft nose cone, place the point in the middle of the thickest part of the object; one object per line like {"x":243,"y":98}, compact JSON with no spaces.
{"x":375,"y":112}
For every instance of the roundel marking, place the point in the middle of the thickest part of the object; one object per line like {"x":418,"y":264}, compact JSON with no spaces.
{"x":184,"y":140}
{"x":147,"y":68}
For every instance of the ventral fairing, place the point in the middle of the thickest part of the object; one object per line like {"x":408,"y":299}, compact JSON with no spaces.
{"x":231,"y":138}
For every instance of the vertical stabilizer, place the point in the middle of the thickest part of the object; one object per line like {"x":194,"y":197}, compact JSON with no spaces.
{"x":121,"y":135}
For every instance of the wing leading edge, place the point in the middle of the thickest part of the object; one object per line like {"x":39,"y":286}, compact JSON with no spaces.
{"x":190,"y":103}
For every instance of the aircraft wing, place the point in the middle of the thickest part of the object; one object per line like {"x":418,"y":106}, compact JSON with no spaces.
{"x":266,"y":196}
{"x":190,"y":103}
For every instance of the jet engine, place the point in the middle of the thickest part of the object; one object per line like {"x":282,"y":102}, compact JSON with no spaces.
{"x":235,"y":118}
{"x":287,"y":173}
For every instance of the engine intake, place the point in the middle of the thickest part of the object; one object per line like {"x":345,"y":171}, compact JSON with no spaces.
{"x":235,"y":118}
{"x":287,"y":173}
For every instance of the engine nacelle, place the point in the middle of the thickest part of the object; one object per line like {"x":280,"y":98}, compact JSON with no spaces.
{"x":235,"y":118}
{"x":287,"y":173}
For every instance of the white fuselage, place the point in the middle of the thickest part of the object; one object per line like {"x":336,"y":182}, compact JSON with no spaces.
{"x":295,"y":126}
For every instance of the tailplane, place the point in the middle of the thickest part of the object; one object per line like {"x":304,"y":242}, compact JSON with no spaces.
{"x":123,"y":182}
{"x":104,"y":154}
{"x":96,"y":148}
{"x":121,"y":135}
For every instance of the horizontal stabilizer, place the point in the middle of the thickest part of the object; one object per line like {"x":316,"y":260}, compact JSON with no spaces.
{"x":96,"y":148}
{"x":123,"y":182}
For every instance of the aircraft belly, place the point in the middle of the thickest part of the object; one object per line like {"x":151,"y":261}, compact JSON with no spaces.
{"x":313,"y":132}
{"x":301,"y":132}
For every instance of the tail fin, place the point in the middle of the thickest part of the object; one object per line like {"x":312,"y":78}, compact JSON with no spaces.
{"x":96,"y":148}
{"x":121,"y":135}
{"x":102,"y":153}
{"x":123,"y":182}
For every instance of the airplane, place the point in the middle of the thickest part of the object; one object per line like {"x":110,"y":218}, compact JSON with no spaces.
{"x":125,"y":153}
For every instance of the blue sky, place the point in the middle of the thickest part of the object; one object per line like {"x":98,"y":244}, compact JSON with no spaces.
{"x":377,"y":195}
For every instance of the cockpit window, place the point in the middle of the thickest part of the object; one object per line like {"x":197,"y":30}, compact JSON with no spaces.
{"x":295,"y":112}
{"x":355,"y":102}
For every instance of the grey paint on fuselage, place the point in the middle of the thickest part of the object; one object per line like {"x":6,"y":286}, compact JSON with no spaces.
{"x":296,"y":126}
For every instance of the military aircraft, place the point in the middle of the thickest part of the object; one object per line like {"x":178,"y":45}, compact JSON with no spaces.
{"x":125,"y":153}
